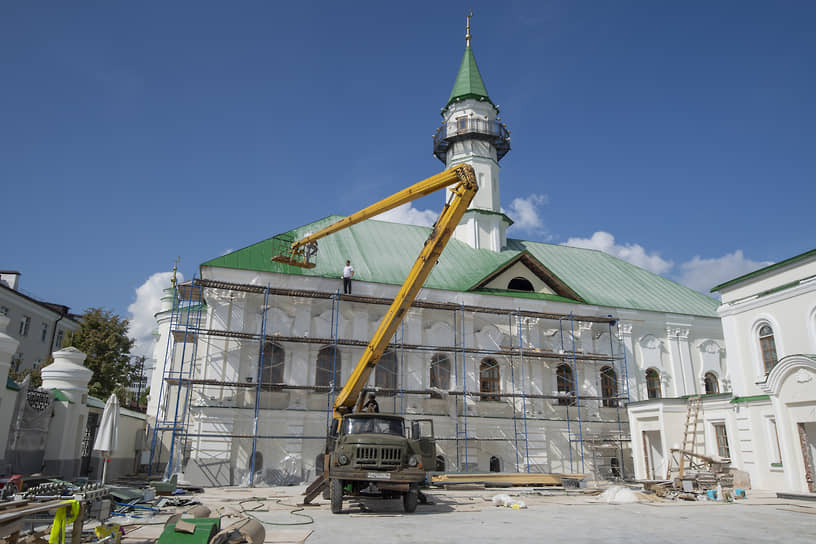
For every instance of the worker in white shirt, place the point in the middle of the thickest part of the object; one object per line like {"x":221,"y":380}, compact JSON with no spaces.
{"x":348,"y":273}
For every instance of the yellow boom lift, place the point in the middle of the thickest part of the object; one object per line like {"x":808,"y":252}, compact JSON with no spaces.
{"x":462,"y":194}
{"x":462,"y":182}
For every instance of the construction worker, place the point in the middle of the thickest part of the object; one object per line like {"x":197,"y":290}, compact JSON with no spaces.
{"x":371,"y":404}
{"x":348,"y":273}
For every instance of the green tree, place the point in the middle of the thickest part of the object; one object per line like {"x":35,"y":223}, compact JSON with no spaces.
{"x":102,"y":336}
{"x":19,"y":375}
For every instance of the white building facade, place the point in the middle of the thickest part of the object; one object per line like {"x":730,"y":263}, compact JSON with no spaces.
{"x":769,"y":321}
{"x":38,"y":326}
{"x":766,"y":424}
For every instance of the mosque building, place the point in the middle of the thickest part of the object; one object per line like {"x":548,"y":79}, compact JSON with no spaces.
{"x":524,"y":354}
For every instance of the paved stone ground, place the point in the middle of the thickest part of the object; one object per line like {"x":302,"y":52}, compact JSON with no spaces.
{"x":470,"y":516}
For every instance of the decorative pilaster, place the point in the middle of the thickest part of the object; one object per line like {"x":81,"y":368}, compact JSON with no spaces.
{"x":680,"y":354}
{"x":631,"y":372}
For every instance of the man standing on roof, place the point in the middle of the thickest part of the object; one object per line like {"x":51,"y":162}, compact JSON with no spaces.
{"x":348,"y":273}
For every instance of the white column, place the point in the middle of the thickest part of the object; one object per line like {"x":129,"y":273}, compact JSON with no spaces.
{"x":8,"y":347}
{"x":67,"y":373}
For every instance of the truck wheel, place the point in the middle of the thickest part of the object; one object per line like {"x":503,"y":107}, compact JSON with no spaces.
{"x":336,"y":494}
{"x":409,"y":500}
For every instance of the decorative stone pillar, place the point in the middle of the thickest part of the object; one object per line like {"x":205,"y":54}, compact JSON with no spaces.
{"x":68,"y":375}
{"x":8,"y":347}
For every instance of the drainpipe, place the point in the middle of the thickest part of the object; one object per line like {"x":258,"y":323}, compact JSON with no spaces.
{"x":54,"y":334}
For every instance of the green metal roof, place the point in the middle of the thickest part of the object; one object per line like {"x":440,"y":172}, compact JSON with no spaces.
{"x":774,"y":266}
{"x":383,"y":252}
{"x":11,"y":384}
{"x":468,"y":82}
{"x":737,"y":400}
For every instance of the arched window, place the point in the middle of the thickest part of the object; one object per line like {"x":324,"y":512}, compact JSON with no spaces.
{"x":768,"y":347}
{"x":711,"y":383}
{"x":520,"y":284}
{"x":272,"y":365}
{"x":385,"y":375}
{"x":495,"y":464}
{"x":653,"y":384}
{"x":440,"y":373}
{"x":609,"y":386}
{"x":489,"y":378}
{"x":565,"y":385}
{"x":327,"y":359}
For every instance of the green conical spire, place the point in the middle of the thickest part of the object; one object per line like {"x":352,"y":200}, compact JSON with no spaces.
{"x":469,"y":82}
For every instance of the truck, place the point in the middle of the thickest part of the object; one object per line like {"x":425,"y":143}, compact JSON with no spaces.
{"x":375,"y":455}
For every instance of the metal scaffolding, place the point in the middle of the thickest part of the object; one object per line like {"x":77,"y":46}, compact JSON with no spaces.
{"x":171,"y":429}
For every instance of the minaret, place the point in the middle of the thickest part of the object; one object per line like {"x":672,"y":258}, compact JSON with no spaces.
{"x":472,"y":132}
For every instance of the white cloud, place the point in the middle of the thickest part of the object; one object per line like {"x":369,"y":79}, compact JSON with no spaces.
{"x":408,"y":215}
{"x":147,"y":303}
{"x":633,"y":253}
{"x":703,"y":274}
{"x":525,"y":213}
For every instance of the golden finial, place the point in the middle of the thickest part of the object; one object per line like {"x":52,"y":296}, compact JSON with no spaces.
{"x":467,"y":36}
{"x":175,"y":268}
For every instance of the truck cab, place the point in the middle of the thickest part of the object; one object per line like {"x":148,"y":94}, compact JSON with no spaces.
{"x":374,"y":455}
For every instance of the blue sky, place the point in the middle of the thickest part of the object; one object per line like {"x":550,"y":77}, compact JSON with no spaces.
{"x":677,"y":135}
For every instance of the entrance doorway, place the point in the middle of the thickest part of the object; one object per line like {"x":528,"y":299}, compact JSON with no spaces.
{"x":653,"y":454}
{"x":807,"y":437}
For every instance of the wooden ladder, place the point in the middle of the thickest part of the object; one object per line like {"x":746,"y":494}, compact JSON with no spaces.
{"x":689,"y":436}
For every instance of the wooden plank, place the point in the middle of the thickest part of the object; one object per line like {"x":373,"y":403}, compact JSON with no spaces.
{"x":512,"y":478}
{"x":35,"y":508}
{"x":316,"y":488}
{"x":12,"y":504}
{"x":76,"y":529}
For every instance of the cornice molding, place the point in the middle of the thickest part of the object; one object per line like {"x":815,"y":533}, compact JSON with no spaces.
{"x":735,"y":308}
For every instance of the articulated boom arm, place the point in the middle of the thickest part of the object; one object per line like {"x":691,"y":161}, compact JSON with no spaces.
{"x":452,"y":213}
{"x":463,"y":193}
{"x":461,"y":174}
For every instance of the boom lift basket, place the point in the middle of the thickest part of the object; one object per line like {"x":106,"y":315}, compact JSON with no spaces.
{"x":283,"y":252}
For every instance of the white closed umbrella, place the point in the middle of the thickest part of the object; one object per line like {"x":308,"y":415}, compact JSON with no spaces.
{"x":107,"y":436}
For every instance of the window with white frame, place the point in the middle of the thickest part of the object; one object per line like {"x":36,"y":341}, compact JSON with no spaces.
{"x":58,"y":341}
{"x":43,"y":332}
{"x":721,"y":436}
{"x":489,"y":378}
{"x":767,"y":346}
{"x":565,"y":385}
{"x":440,"y":373}
{"x":653,"y":384}
{"x":712,"y":385}
{"x":4,"y":310}
{"x":25,"y":324}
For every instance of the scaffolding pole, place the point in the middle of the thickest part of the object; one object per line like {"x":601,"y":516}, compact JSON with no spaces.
{"x":523,"y":397}
{"x":259,"y":379}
